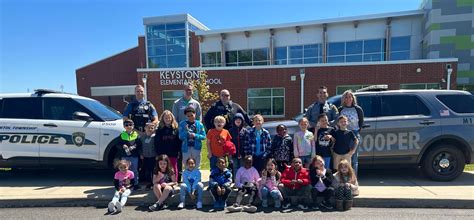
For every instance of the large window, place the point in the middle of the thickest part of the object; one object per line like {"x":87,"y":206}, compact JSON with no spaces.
{"x":22,"y":108}
{"x":299,"y":54}
{"x":401,"y":105}
{"x":458,"y":103}
{"x":356,"y":51}
{"x":61,"y":109}
{"x":266,"y":101}
{"x":420,"y":86}
{"x":400,"y":48}
{"x":169,"y":96}
{"x":166,"y":45}
{"x":211,"y":59}
{"x":250,"y":57}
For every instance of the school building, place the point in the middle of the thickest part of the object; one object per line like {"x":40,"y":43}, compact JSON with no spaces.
{"x":273,"y":69}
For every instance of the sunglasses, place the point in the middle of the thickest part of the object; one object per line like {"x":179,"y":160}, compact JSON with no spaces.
{"x":127,"y":124}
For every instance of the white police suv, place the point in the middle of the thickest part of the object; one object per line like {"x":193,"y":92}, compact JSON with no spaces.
{"x":53,"y":129}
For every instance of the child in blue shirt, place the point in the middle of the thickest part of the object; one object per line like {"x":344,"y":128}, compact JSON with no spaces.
{"x":219,"y":183}
{"x":191,"y":184}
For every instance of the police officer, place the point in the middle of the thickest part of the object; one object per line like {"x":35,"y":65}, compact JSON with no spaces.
{"x":226,"y":108}
{"x":140,"y":111}
{"x":321,"y":106}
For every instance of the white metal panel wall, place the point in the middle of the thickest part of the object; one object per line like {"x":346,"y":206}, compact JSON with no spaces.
{"x":374,"y":29}
{"x":285,"y":37}
{"x":211,"y":44}
{"x":235,"y":41}
{"x":258,"y":39}
{"x":402,"y":27}
{"x":341,"y":32}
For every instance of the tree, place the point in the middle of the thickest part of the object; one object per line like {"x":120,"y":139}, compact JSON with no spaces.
{"x":205,"y":97}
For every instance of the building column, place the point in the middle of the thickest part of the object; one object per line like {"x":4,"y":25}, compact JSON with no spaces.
{"x":325,"y":44}
{"x":272,"y":47}
{"x":388,"y":38}
{"x":223,"y":61}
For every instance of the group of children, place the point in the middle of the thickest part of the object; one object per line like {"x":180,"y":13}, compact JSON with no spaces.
{"x":249,"y":157}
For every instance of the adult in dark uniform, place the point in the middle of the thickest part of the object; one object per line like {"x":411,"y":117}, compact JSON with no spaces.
{"x":140,"y":111}
{"x":226,"y":108}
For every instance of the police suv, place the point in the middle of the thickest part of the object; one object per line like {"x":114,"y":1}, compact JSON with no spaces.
{"x":433,"y":129}
{"x":48,"y":128}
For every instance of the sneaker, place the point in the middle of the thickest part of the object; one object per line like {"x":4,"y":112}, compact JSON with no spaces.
{"x":234,"y":208}
{"x":265,"y":203}
{"x":277,"y":203}
{"x":302,"y":206}
{"x":250,"y":208}
{"x":286,"y":205}
{"x":119,"y":207}
{"x":199,"y":205}
{"x":181,"y":205}
{"x":111,"y":207}
{"x":326,"y":205}
{"x":155,"y":207}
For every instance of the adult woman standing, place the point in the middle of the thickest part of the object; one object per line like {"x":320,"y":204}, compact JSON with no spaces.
{"x":355,"y":114}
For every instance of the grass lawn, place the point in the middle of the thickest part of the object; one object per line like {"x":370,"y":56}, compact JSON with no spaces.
{"x":204,"y":159}
{"x":469,"y":167}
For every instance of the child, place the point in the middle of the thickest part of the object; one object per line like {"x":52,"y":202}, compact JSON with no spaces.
{"x":167,"y":139}
{"x":191,"y":133}
{"x":216,"y":139}
{"x":191,"y":184}
{"x":282,"y":148}
{"x":323,"y":143}
{"x":164,"y":178}
{"x":246,"y":181}
{"x":321,"y":182}
{"x":239,"y":137}
{"x":346,"y":185}
{"x":295,"y":182}
{"x":219,"y":183}
{"x":303,"y":142}
{"x":269,"y":184}
{"x":122,"y":182}
{"x":345,"y":141}
{"x":259,"y":143}
{"x":148,"y":153}
{"x":129,"y":146}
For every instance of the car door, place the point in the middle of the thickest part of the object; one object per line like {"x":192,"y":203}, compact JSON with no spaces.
{"x":19,"y":130}
{"x":404,"y":123}
{"x":73,"y":139}
{"x":369,"y":104}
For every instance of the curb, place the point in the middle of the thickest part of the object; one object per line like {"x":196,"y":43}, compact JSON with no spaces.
{"x":358,"y":202}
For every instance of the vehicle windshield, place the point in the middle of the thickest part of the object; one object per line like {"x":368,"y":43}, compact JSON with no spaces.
{"x":104,"y":112}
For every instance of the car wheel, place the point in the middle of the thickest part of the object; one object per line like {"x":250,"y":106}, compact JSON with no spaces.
{"x":443,"y":163}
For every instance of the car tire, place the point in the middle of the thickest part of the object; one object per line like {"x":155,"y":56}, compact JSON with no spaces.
{"x":443,"y":163}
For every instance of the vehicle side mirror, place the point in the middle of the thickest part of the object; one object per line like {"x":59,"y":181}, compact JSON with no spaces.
{"x":81,"y":116}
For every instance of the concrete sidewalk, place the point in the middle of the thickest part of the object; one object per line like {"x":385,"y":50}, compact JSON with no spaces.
{"x":391,"y":188}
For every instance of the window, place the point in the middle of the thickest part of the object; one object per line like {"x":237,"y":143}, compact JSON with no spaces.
{"x":60,"y":108}
{"x":169,"y":96}
{"x":266,"y":101}
{"x":354,"y":51}
{"x":247,"y":57}
{"x":458,"y":103}
{"x":22,"y":108}
{"x":102,"y":111}
{"x":420,"y":86}
{"x":295,"y":55}
{"x":400,"y":48}
{"x":281,"y":56}
{"x":336,"y":52}
{"x":366,"y":103}
{"x":401,"y":105}
{"x":311,"y":53}
{"x":374,"y":50}
{"x":166,"y":45}
{"x":211,"y":59}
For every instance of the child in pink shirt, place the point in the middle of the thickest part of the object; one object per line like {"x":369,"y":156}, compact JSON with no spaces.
{"x":123,"y":180}
{"x":246,"y":180}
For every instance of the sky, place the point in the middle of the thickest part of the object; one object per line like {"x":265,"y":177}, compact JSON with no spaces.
{"x":43,"y":42}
